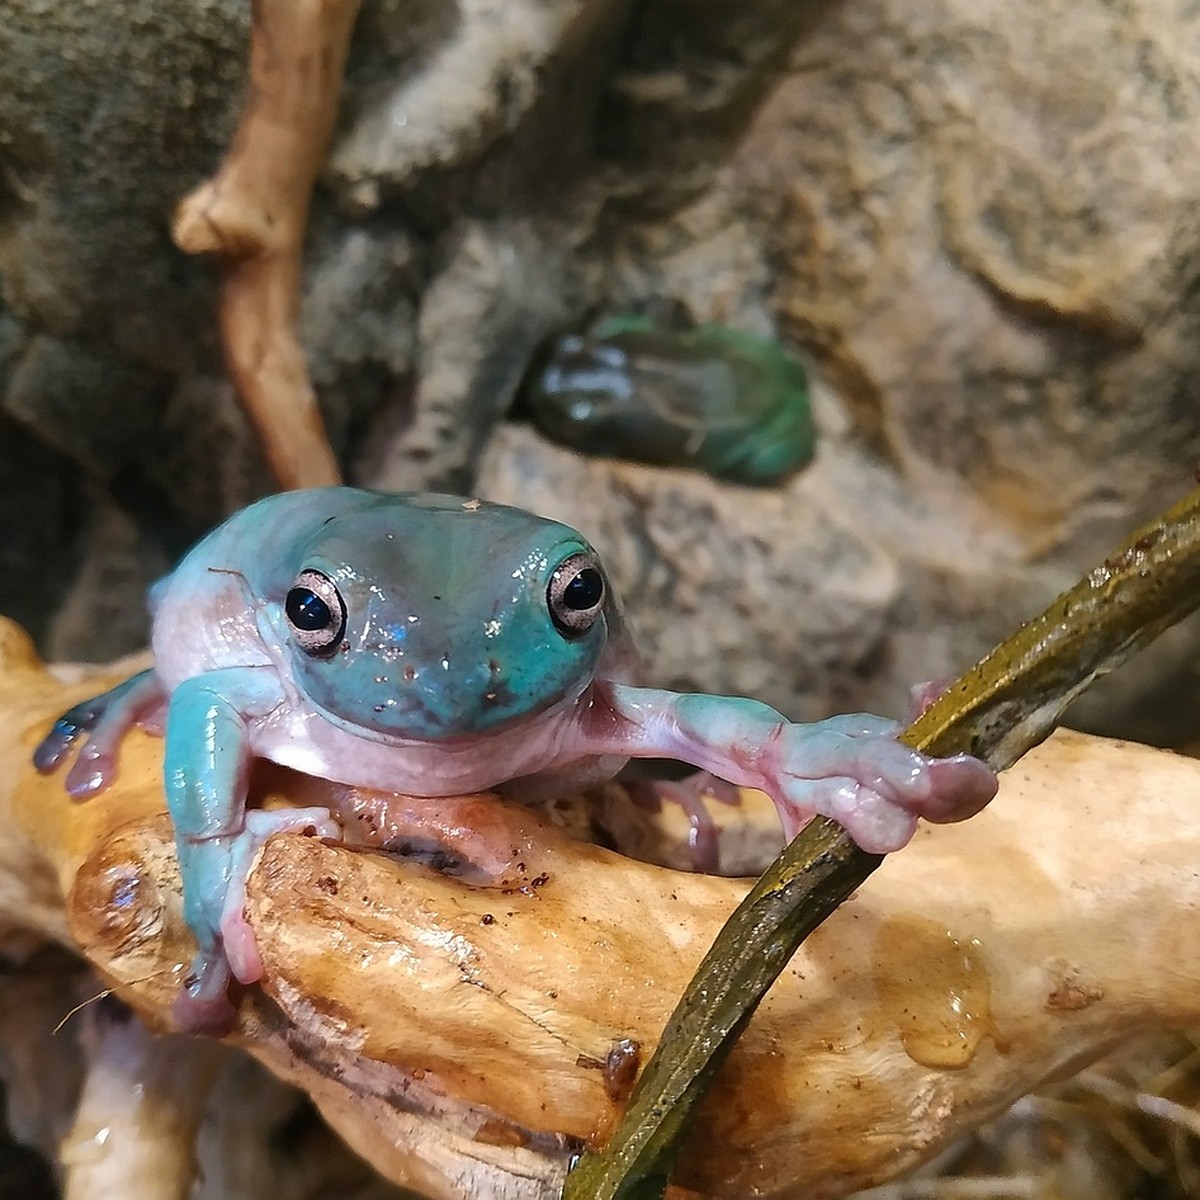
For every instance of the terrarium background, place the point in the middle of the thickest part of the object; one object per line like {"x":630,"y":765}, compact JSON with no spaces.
{"x":976,"y":220}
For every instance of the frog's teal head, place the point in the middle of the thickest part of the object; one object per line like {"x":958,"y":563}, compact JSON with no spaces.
{"x":431,"y":617}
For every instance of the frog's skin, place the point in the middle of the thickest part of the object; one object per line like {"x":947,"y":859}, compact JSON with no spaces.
{"x":434,"y":646}
{"x":710,"y":397}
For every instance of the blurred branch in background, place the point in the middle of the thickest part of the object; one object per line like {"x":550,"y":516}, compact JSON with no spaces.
{"x":253,"y":213}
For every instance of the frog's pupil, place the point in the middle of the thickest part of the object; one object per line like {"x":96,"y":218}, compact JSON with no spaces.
{"x":306,"y":610}
{"x":584,"y":591}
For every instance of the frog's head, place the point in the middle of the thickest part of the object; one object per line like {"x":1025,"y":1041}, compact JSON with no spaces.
{"x":430,"y":617}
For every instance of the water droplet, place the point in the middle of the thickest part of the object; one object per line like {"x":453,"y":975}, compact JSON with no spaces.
{"x":935,"y":987}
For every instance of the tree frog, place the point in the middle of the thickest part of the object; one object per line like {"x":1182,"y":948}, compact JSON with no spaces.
{"x":435,"y":646}
{"x":710,"y":397}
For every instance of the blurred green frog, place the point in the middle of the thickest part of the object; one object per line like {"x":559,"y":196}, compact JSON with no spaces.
{"x":708,"y":397}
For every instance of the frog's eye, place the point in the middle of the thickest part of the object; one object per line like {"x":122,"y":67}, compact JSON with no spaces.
{"x":576,"y":595}
{"x":315,"y":612}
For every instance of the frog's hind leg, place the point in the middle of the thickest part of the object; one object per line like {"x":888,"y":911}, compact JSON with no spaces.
{"x":105,"y":719}
{"x":692,"y":794}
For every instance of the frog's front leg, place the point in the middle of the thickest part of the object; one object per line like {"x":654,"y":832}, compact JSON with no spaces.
{"x":850,"y":768}
{"x":207,"y":763}
{"x":106,"y":719}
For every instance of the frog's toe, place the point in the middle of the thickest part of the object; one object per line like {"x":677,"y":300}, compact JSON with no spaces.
{"x":876,"y":823}
{"x":922,"y":695}
{"x":262,"y":824}
{"x":959,"y":787}
{"x":93,"y":770}
{"x":692,"y":794}
{"x":241,"y":947}
{"x":105,"y":719}
{"x":203,"y":1005}
{"x":53,"y":748}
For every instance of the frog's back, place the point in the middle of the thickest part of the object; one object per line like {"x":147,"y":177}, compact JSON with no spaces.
{"x":258,"y":541}
{"x":264,"y":540}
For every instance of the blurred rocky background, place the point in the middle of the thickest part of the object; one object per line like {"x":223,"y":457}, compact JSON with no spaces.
{"x":976,"y":221}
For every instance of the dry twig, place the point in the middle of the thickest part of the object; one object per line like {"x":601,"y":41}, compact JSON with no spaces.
{"x":253,"y":214}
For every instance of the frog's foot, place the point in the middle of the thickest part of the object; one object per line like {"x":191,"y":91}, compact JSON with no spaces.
{"x":105,"y":719}
{"x":471,"y":837}
{"x":203,"y":1006}
{"x":692,"y":794}
{"x":215,"y":870}
{"x":241,"y":948}
{"x":874,"y":786}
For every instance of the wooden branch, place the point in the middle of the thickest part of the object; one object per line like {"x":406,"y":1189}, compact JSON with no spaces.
{"x":465,"y":1038}
{"x":142,"y":1101}
{"x":253,"y":213}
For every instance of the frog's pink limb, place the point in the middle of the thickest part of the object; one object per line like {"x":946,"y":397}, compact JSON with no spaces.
{"x":849,"y":768}
{"x":241,"y":949}
{"x":692,"y":794}
{"x":468,"y":836}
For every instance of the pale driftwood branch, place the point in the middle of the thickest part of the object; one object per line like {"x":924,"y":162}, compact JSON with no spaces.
{"x":462,"y":1037}
{"x":253,"y":213}
{"x":143,"y":1098}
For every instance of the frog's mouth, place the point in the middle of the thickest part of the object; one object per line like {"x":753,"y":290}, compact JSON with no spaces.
{"x":444,"y":711}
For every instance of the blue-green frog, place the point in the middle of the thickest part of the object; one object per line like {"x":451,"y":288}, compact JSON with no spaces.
{"x":435,"y":646}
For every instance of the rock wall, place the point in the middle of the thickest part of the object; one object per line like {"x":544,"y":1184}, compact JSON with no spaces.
{"x":974,"y":220}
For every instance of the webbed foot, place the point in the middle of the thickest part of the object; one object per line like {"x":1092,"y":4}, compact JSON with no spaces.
{"x":105,"y":719}
{"x":853,"y":770}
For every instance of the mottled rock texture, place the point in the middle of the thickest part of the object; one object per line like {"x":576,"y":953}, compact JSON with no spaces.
{"x":975,"y":219}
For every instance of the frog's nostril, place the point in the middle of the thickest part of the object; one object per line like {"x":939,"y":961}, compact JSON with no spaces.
{"x":496,"y":694}
{"x":495,"y":690}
